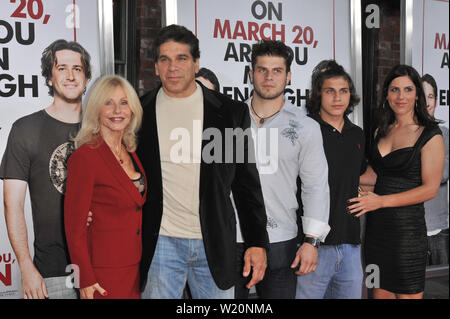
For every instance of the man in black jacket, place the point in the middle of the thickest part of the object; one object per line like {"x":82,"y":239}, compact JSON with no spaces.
{"x":192,"y":164}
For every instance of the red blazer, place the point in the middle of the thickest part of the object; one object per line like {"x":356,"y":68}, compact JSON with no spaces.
{"x":96,"y":182}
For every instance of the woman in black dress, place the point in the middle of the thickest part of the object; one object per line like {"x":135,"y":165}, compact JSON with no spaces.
{"x":407,"y":160}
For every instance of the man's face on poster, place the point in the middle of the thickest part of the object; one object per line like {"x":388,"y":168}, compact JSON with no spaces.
{"x":430,"y":97}
{"x":68,"y":76}
{"x":176,"y":68}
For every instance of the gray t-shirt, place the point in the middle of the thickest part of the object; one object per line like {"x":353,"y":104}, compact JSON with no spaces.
{"x":436,"y":209}
{"x":37,"y":152}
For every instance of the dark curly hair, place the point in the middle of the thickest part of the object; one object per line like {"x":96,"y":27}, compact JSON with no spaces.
{"x":384,"y":114}
{"x":48,"y":59}
{"x":328,"y":69}
{"x":272,"y":48}
{"x":176,"y":33}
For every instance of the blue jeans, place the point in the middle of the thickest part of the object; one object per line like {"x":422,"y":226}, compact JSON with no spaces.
{"x":176,"y":261}
{"x":339,"y":274}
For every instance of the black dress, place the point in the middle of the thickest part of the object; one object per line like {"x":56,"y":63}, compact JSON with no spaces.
{"x":396,"y":238}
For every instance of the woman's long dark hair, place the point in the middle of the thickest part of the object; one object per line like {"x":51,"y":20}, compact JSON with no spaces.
{"x":384,"y":114}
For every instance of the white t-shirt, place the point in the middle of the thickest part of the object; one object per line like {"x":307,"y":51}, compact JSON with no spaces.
{"x":180,"y":127}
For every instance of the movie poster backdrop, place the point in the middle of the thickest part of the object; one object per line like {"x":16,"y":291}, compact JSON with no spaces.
{"x":27,"y":27}
{"x":314,"y":30}
{"x":430,"y":48}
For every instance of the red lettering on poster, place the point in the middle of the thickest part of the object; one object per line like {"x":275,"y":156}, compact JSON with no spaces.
{"x":249,"y":31}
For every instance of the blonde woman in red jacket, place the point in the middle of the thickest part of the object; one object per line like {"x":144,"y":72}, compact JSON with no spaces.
{"x":106,"y":177}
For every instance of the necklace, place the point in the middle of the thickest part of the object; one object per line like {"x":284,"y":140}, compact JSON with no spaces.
{"x":118,"y":155}
{"x":262,"y":119}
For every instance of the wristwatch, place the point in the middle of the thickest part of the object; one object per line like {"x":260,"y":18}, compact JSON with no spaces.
{"x":313,"y":241}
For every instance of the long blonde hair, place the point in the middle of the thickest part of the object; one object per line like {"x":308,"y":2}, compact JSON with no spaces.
{"x":98,"y":95}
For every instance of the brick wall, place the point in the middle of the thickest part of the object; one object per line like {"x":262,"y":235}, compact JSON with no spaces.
{"x":148,"y":25}
{"x":388,"y":47}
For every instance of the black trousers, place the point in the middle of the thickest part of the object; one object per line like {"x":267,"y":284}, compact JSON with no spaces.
{"x":438,"y":248}
{"x":279,"y":280}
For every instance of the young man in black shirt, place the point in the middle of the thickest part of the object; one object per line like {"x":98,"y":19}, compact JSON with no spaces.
{"x":339,"y":272}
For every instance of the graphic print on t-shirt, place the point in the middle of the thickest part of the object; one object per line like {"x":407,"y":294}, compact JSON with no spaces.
{"x":271,"y":222}
{"x":291,"y":132}
{"x":58,"y":165}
